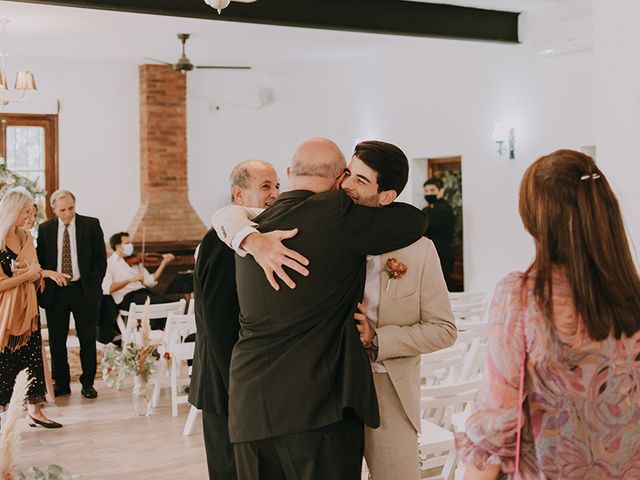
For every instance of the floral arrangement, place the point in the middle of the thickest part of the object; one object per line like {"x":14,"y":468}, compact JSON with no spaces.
{"x":13,"y":181}
{"x":395,"y":270}
{"x":136,"y":358}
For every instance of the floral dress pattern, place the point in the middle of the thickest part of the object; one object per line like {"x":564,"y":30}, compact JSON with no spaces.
{"x":582,"y":397}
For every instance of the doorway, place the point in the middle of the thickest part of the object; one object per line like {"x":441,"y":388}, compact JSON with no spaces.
{"x":449,"y":170}
{"x":29,"y":146}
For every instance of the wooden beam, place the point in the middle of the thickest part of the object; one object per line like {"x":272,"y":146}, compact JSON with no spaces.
{"x":393,"y":17}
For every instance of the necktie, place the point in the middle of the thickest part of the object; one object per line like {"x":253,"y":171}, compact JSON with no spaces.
{"x":66,"y":252}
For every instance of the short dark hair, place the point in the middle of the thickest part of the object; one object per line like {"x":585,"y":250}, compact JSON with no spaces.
{"x":388,"y":161}
{"x":116,"y":239}
{"x":434,"y":181}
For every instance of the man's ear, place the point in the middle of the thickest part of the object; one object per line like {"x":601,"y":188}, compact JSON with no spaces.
{"x":238,"y":198}
{"x":441,"y":193}
{"x":387,"y":197}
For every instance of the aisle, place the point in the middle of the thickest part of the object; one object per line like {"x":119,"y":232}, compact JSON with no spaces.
{"x":101,"y":439}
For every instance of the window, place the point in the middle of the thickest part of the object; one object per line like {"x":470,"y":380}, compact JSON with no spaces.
{"x":29,"y":146}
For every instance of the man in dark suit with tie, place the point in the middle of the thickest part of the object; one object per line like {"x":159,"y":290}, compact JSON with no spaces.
{"x":73,"y":245}
{"x":254,"y":183}
{"x":301,"y":383}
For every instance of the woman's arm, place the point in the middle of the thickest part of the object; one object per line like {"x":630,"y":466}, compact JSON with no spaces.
{"x":20,"y":276}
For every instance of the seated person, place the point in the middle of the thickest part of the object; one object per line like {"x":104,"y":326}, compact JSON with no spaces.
{"x":129,"y":284}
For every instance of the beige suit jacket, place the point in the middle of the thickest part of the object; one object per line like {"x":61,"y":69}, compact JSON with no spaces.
{"x":414,"y":317}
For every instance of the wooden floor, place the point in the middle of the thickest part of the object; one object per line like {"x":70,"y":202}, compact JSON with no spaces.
{"x":102,"y":439}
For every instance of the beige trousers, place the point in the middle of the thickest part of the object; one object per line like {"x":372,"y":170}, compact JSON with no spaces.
{"x":391,"y":451}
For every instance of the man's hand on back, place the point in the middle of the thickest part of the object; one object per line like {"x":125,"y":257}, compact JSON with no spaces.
{"x":267,"y":249}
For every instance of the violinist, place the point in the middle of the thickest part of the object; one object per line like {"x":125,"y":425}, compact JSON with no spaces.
{"x":129,"y":281}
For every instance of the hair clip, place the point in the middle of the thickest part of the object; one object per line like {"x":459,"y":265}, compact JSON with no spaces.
{"x":593,"y":176}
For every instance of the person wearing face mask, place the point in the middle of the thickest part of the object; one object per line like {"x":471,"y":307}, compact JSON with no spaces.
{"x":129,"y":284}
{"x":441,"y":223}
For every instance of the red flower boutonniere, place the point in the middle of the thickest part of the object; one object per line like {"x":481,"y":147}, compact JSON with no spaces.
{"x":395,"y":270}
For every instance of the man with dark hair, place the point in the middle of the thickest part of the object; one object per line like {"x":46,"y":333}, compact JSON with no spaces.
{"x":441,"y":222}
{"x":398,"y":319}
{"x":129,"y":284}
{"x":254,"y":184}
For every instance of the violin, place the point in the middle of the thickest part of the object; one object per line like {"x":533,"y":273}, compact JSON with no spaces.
{"x":137,"y":259}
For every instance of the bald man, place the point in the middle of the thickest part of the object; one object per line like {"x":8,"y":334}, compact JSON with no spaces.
{"x":300,"y":382}
{"x":254,"y":183}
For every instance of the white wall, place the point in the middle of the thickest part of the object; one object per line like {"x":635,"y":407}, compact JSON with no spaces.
{"x":617,"y":77}
{"x":98,"y":134}
{"x":439,"y":98}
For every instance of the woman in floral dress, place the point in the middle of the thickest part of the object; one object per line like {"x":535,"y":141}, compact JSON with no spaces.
{"x":579,"y":303}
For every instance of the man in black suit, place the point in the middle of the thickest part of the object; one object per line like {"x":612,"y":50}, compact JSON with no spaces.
{"x":73,"y":245}
{"x":254,"y":183}
{"x":301,"y":383}
{"x":441,"y":223}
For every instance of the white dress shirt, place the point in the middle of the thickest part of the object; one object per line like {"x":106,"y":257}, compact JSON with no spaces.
{"x":372,"y":299}
{"x":119,"y":270}
{"x":74,"y":249}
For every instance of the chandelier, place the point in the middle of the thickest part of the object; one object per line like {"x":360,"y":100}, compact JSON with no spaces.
{"x":220,"y":5}
{"x":25,"y":81}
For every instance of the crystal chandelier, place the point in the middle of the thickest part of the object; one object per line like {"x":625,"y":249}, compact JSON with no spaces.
{"x":25,"y":81}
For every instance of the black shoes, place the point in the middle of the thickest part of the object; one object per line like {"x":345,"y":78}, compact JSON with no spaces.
{"x":89,"y":392}
{"x":60,"y":390}
{"x":35,"y":422}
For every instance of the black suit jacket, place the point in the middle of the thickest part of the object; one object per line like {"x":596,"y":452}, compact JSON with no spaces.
{"x":216,"y":311}
{"x":299,"y":362}
{"x":441,"y":224}
{"x":92,"y":257}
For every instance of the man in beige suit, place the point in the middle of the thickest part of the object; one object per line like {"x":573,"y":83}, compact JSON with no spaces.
{"x":400,"y":318}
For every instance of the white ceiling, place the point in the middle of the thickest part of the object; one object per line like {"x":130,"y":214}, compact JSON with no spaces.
{"x":50,"y":32}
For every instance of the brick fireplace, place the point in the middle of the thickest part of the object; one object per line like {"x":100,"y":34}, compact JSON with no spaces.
{"x":165,"y":217}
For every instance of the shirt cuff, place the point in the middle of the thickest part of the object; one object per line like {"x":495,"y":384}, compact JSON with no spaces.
{"x":239,"y":237}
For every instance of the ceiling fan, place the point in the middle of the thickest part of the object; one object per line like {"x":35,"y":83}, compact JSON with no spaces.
{"x":184,"y":65}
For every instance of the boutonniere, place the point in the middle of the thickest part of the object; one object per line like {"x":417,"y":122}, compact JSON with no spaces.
{"x":395,"y":270}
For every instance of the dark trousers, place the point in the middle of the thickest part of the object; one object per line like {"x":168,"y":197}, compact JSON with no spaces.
{"x":331,"y":452}
{"x":71,"y":299}
{"x":220,"y":459}
{"x":139,"y":297}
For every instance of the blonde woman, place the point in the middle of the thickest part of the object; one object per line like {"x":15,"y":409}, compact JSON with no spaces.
{"x":20,"y":273}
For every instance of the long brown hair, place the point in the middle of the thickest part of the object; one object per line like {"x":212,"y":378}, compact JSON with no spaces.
{"x":568,"y":207}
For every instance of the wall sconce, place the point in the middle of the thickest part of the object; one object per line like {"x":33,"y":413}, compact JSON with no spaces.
{"x":505,"y":138}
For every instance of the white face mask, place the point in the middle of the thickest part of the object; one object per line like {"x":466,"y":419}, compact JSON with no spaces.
{"x":127,"y":248}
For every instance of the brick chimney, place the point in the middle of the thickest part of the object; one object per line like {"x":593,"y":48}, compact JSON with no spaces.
{"x":165,"y":215}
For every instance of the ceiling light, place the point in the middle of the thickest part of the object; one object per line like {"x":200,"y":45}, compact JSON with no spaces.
{"x":25,"y":80}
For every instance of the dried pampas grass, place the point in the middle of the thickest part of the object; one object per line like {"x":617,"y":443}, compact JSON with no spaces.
{"x":9,"y":437}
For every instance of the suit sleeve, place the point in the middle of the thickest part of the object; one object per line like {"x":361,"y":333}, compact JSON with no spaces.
{"x":374,"y":231}
{"x":436,"y":328}
{"x":99,"y":250}
{"x":231,"y":220}
{"x":211,"y":267}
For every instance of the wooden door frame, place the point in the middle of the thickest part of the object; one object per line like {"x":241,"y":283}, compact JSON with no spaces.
{"x":50,"y":125}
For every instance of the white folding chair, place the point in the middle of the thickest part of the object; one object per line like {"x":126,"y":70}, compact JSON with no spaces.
{"x":474,"y":361}
{"x":191,"y":306}
{"x":467,"y":338}
{"x":134,"y":315}
{"x":442,"y":366}
{"x":191,"y":420}
{"x":439,"y":405}
{"x":178,"y":328}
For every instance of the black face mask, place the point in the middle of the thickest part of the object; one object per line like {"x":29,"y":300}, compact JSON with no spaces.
{"x":431,"y":199}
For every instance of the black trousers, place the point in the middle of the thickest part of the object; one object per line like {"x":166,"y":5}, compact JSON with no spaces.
{"x":139,"y":297}
{"x":220,"y":461}
{"x":333,"y":452}
{"x":71,"y":299}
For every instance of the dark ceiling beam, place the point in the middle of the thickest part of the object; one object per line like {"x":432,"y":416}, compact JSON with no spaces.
{"x":392,"y":17}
